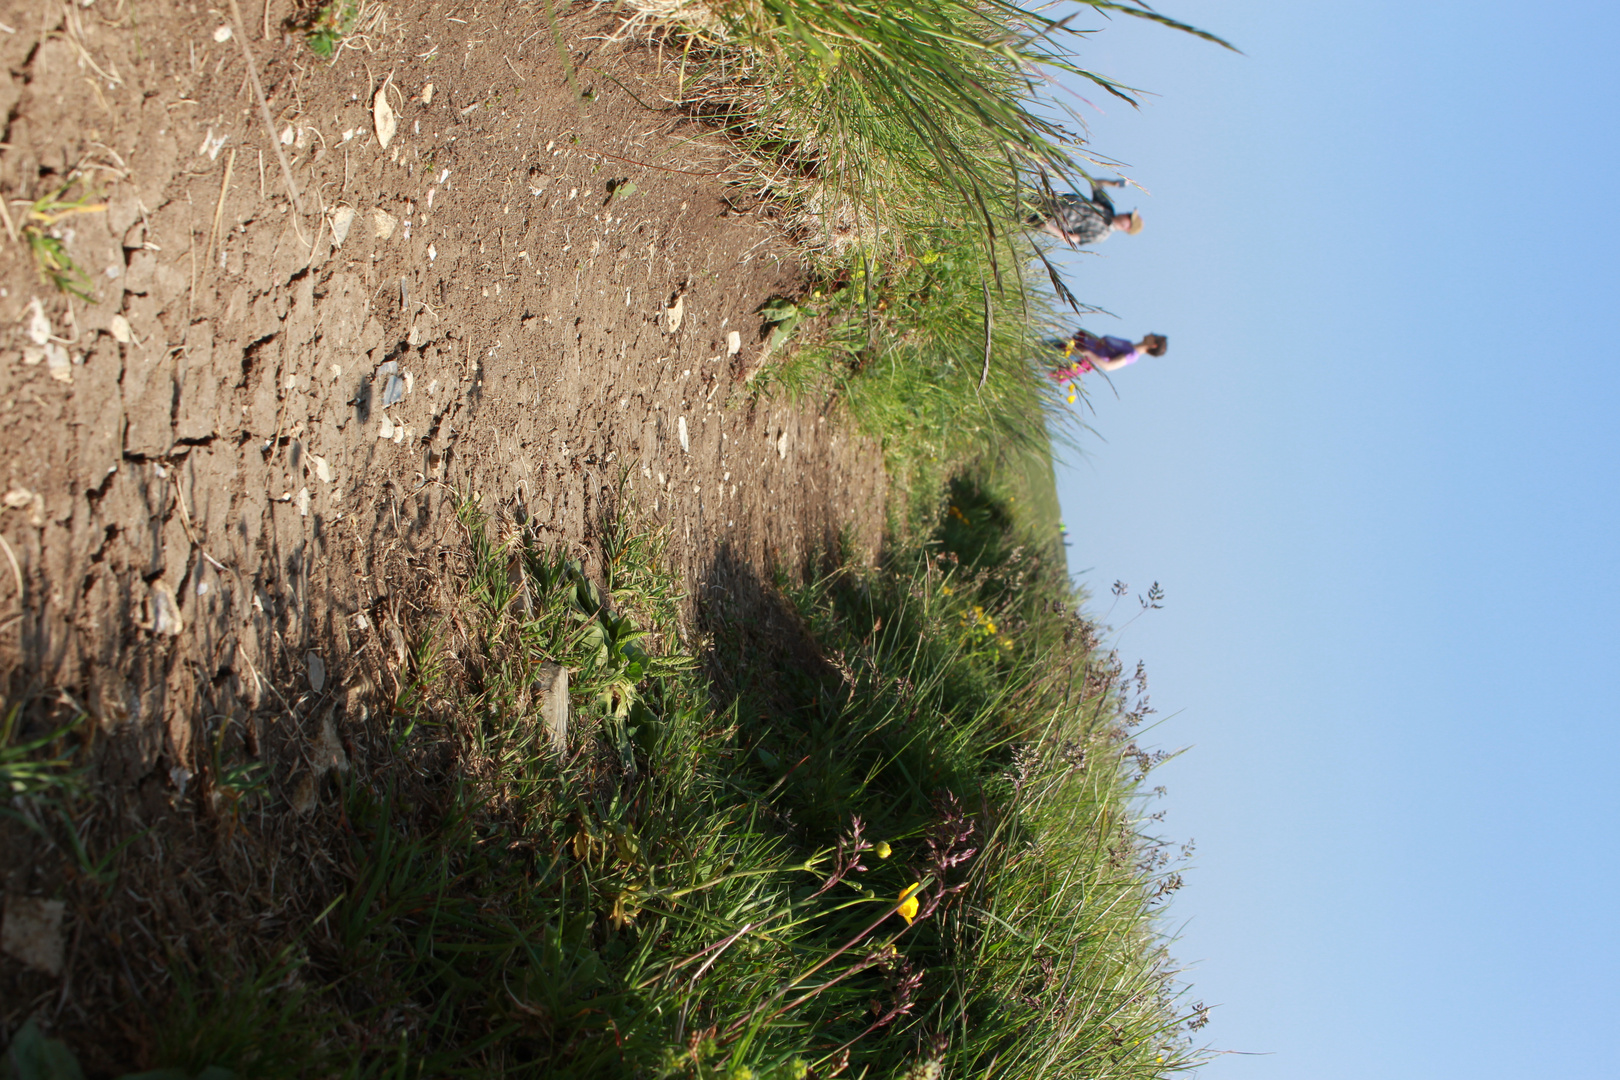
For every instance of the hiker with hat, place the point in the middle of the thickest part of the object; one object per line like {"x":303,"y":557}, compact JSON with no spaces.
{"x":1086,"y":221}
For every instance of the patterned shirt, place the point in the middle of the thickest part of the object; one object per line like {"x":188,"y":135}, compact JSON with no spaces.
{"x":1083,"y":221}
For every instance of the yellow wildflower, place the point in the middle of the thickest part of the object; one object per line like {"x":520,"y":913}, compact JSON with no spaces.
{"x":908,"y":901}
{"x":883,"y":850}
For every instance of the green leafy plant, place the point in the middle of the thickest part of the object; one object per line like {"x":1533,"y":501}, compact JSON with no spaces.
{"x":328,"y":25}
{"x":41,"y":231}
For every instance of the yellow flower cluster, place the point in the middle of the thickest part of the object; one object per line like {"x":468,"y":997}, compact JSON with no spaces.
{"x":983,"y":626}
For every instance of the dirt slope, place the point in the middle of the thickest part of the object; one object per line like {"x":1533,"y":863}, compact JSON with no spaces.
{"x":227,"y":458}
{"x":208,"y":479}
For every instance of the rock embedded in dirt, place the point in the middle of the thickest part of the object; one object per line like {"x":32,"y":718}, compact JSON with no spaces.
{"x":328,"y":754}
{"x":39,"y":324}
{"x":392,"y":390}
{"x":341,"y":221}
{"x":163,"y":610}
{"x":383,"y":114}
{"x":306,"y":794}
{"x":31,"y":931}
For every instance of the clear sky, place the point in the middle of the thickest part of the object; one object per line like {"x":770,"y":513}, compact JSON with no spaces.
{"x":1376,"y":475}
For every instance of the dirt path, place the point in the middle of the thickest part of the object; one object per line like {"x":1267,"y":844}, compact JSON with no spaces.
{"x":209,"y":474}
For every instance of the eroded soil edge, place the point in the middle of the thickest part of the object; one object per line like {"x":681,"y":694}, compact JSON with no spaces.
{"x":196,"y":511}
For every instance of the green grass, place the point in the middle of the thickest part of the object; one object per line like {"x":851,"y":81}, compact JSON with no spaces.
{"x":708,"y":882}
{"x":875,"y":123}
{"x":902,"y":351}
{"x":36,"y":768}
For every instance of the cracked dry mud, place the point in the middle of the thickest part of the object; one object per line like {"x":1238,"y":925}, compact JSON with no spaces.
{"x":208,"y":478}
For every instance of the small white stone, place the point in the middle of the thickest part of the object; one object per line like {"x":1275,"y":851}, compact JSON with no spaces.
{"x":39,"y":325}
{"x":382,"y":114}
{"x":56,"y":358}
{"x":31,"y":931}
{"x":164,"y":610}
{"x":342,"y":219}
{"x":222,"y":34}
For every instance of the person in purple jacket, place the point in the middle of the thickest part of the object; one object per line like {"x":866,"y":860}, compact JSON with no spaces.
{"x":1086,"y":351}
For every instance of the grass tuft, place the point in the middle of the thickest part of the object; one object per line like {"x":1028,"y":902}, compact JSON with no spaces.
{"x":47,"y":242}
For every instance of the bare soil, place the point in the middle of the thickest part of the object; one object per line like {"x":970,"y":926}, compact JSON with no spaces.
{"x":193,"y":513}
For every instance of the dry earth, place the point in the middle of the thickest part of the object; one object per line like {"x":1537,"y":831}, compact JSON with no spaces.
{"x":208,"y":478}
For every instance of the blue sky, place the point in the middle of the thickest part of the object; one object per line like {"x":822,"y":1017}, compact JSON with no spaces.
{"x":1376,"y":475}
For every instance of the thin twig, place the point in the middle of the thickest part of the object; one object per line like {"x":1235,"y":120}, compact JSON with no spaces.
{"x":5,"y":216}
{"x":264,"y":108}
{"x":649,"y":165}
{"x":219,"y":207}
